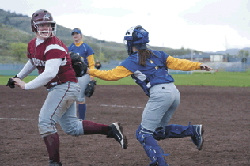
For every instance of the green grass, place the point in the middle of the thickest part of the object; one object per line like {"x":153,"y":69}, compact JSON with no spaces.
{"x":237,"y":79}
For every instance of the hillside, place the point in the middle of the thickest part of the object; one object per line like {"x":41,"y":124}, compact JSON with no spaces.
{"x":232,"y":51}
{"x":15,"y":28}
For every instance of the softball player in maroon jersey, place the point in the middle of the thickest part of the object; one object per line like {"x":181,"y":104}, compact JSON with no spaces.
{"x":50,"y":56}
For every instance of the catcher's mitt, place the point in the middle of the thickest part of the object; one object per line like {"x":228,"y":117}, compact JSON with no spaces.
{"x":90,"y":88}
{"x":78,"y":64}
{"x":98,"y":65}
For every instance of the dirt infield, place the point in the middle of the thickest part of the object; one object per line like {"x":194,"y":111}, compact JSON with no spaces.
{"x":224,"y":112}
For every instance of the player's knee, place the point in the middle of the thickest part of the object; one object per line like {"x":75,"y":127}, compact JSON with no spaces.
{"x":81,"y":100}
{"x":46,"y":129}
{"x":160,"y":134}
{"x":74,"y":130}
{"x":152,"y":149}
{"x":141,"y":134}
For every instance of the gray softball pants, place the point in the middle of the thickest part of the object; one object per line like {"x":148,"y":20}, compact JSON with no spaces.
{"x":83,"y":82}
{"x":60,"y":105}
{"x":164,"y":100}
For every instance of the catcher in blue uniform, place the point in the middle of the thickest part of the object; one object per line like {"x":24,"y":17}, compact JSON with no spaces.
{"x":149,"y":69}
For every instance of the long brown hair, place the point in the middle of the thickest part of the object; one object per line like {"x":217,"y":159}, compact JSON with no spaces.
{"x":144,"y":55}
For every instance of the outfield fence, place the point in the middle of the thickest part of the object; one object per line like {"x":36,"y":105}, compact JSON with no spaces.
{"x":229,"y":66}
{"x":12,"y":69}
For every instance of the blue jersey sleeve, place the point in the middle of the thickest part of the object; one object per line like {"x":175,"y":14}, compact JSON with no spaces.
{"x":129,"y":64}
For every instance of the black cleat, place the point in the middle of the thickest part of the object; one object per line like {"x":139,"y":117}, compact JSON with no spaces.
{"x":116,"y":131}
{"x":51,"y":163}
{"x":198,"y":136}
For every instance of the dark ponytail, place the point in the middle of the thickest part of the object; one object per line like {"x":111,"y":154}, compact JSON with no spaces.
{"x":144,"y":55}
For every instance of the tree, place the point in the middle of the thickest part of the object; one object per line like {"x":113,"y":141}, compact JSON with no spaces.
{"x":19,"y":50}
{"x":241,"y":53}
{"x":101,"y":57}
{"x":246,"y":54}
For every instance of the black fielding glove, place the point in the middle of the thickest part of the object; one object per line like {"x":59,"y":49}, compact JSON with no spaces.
{"x":90,"y":88}
{"x":79,"y":66}
{"x":11,"y":82}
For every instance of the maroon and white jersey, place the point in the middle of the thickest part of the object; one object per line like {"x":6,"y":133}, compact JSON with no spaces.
{"x":52,"y":48}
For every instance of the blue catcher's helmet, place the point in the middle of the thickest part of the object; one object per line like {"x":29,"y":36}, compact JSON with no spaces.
{"x":136,"y":36}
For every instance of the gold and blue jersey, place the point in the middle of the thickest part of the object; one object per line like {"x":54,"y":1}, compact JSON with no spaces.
{"x":155,"y":72}
{"x":85,"y":51}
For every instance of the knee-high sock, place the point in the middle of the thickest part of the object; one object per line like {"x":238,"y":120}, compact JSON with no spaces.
{"x":94,"y":128}
{"x":52,"y":143}
{"x":82,"y":111}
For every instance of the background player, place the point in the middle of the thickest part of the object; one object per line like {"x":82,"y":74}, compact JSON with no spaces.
{"x":49,"y":55}
{"x":149,"y":69}
{"x":86,"y":53}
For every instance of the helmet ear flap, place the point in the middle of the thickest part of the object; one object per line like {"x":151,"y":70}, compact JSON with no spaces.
{"x":34,"y":26}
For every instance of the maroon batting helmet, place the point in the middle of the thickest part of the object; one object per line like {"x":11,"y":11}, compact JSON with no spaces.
{"x":40,"y":17}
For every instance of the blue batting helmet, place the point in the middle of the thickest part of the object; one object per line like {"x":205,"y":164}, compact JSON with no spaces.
{"x":136,"y":36}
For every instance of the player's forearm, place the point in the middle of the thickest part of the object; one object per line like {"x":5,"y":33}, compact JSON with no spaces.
{"x":51,"y":70}
{"x":106,"y":75}
{"x":182,"y":64}
{"x":110,"y":75}
{"x":27,"y":69}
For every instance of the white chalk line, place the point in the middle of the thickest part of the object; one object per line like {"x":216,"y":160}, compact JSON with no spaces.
{"x":15,"y":119}
{"x":120,"y":106}
{"x":102,"y":105}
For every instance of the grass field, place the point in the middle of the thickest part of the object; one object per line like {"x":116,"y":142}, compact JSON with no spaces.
{"x":237,"y":79}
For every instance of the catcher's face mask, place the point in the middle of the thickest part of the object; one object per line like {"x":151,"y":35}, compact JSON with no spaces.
{"x":135,"y":36}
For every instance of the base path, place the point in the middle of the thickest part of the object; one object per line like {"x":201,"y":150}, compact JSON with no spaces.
{"x":224,"y":112}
